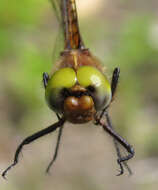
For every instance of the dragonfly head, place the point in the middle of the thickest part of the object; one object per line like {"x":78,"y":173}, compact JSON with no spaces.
{"x":78,"y":95}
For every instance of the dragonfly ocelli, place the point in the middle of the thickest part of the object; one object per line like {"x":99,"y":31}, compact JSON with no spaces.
{"x":77,"y":89}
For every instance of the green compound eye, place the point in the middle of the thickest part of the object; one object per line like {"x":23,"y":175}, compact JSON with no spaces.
{"x":63,"y":78}
{"x":91,"y":76}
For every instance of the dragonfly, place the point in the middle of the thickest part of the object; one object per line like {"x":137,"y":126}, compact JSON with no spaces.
{"x":77,"y":89}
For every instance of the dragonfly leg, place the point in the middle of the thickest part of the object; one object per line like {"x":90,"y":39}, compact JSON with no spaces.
{"x":108,"y":128}
{"x":118,"y":149}
{"x":32,"y":138}
{"x":56,"y":149}
{"x":45,"y":79}
{"x":58,"y":116}
{"x":114,"y":82}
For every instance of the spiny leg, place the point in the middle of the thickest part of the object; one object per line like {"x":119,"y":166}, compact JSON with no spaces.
{"x":122,"y":141}
{"x":56,"y":149}
{"x":45,"y":79}
{"x":58,"y":116}
{"x":116,"y":145}
{"x":114,"y":81}
{"x":114,"y":84}
{"x":117,"y":149}
{"x":31,"y":139}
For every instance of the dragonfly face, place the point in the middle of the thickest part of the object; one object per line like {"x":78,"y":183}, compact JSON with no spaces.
{"x":78,"y":89}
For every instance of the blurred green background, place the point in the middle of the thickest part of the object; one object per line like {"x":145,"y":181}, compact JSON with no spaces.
{"x":122,"y":34}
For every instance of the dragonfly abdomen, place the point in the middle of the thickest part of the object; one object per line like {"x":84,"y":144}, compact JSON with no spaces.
{"x":71,"y":29}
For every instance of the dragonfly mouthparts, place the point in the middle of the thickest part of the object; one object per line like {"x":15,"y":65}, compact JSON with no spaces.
{"x":76,"y":93}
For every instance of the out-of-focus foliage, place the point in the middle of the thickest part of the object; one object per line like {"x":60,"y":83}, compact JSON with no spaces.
{"x":122,"y":34}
